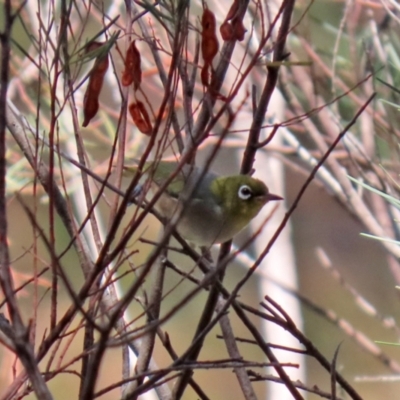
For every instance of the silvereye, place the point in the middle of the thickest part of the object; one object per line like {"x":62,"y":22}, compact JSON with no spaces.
{"x":219,"y":206}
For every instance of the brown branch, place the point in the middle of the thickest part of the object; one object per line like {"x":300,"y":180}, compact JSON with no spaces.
{"x":269,"y":87}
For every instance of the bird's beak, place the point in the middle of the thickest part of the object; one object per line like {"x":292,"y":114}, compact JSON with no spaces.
{"x":273,"y":197}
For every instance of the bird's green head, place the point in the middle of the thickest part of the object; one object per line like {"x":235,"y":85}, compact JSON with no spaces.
{"x":241,"y":197}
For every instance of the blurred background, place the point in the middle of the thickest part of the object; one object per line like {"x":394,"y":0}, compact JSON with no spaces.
{"x":338,"y":54}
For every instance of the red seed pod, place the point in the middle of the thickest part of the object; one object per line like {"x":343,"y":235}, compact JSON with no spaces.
{"x":204,"y":74}
{"x":208,"y":22}
{"x":209,"y":42}
{"x":140,"y":117}
{"x":226,"y":31}
{"x":238,"y":29}
{"x":232,"y":13}
{"x":133,"y":71}
{"x":90,"y":108}
{"x":96,"y":78}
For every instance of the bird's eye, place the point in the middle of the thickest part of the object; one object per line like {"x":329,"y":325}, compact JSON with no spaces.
{"x":245,"y":192}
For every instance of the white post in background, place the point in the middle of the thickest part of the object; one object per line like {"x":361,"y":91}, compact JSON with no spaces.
{"x":279,"y":264}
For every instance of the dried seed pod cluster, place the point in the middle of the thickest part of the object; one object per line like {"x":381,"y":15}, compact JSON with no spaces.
{"x":132,"y":75}
{"x":233,"y":28}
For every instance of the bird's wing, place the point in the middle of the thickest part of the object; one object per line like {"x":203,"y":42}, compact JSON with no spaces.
{"x":164,"y":170}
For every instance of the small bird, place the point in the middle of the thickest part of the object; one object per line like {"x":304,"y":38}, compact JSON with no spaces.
{"x":219,"y":206}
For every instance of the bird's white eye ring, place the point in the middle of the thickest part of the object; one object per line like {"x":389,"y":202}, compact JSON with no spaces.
{"x":245,"y":192}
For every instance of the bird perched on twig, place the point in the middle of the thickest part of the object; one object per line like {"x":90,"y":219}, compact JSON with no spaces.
{"x":213,"y":208}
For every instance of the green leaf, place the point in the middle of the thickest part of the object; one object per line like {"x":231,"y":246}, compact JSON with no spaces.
{"x":390,"y":199}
